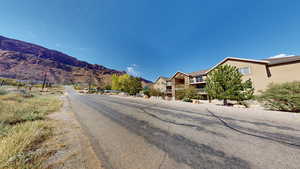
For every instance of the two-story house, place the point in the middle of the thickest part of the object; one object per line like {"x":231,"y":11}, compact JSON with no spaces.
{"x":261,"y":72}
{"x":164,"y":85}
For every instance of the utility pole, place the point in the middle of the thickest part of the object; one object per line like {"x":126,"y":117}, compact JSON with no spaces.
{"x":90,"y":82}
{"x":44,"y":80}
{"x":2,"y":82}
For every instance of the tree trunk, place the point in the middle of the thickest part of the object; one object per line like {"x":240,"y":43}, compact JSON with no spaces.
{"x":225,"y":102}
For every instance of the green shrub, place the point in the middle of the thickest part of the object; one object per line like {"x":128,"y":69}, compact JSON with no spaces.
{"x":146,"y":91}
{"x":187,"y":99}
{"x":3,"y":92}
{"x":188,"y":94}
{"x":107,"y":87}
{"x":282,"y":97}
{"x":155,"y":92}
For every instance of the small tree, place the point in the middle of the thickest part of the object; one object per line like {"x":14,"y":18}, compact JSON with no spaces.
{"x":187,"y":94}
{"x":134,"y":86}
{"x":146,"y":91}
{"x":191,"y":93}
{"x":225,"y":82}
{"x":155,"y":92}
{"x":115,"y":83}
{"x":126,"y":83}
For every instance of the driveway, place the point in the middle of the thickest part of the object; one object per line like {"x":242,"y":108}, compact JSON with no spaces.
{"x":129,"y":133}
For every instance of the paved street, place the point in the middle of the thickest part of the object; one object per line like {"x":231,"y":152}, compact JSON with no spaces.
{"x":129,"y":133}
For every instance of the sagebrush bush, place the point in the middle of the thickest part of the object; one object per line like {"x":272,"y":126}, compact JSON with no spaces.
{"x":282,"y":97}
{"x":3,"y":92}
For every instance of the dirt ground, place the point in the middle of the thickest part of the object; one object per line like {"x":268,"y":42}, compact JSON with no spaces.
{"x":72,"y":147}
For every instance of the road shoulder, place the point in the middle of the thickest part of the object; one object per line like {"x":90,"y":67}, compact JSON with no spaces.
{"x":73,"y":147}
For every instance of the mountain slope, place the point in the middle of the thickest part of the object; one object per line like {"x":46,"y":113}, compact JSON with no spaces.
{"x":26,"y":61}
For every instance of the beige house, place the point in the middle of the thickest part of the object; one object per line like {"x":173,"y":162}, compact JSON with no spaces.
{"x":163,"y":84}
{"x":182,"y":81}
{"x":261,"y":72}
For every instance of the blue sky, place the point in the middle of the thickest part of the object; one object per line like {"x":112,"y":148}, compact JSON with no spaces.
{"x":156,"y":37}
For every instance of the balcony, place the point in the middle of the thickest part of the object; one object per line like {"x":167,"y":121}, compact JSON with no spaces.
{"x":201,"y":91}
{"x":179,"y":87}
{"x":169,"y":83}
{"x":196,"y":80}
{"x":169,"y":91}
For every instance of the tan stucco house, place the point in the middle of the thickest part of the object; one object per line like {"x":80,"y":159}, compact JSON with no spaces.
{"x":261,"y":72}
{"x":163,"y":84}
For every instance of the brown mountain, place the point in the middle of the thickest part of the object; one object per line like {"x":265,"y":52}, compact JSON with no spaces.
{"x":26,"y":61}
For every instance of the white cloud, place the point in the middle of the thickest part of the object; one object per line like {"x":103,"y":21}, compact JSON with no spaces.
{"x":281,"y":55}
{"x":57,"y":45}
{"x":132,"y":70}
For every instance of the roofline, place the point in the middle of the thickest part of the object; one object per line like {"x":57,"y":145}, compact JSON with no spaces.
{"x":159,"y":78}
{"x":238,"y":59}
{"x":177,"y":73}
{"x":200,"y":74}
{"x":284,"y":63}
{"x":270,"y":58}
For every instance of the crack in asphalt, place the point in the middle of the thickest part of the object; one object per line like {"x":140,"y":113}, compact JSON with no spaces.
{"x":181,"y":149}
{"x":209,"y":115}
{"x":197,"y":127}
{"x":165,"y":155}
{"x":276,"y":137}
{"x":254,"y":135}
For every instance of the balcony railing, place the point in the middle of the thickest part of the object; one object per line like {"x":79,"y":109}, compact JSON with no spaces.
{"x":201,"y":90}
{"x":169,"y":91}
{"x":197,"y":80}
{"x":179,"y":87}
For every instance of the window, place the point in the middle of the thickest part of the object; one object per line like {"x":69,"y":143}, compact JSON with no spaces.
{"x":199,"y":79}
{"x":244,"y":70}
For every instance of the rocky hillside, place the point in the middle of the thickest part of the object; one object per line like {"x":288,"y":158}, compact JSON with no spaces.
{"x":26,"y":61}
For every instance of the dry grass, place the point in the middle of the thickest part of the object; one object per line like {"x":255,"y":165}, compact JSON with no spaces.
{"x":18,"y":147}
{"x":15,"y":109}
{"x":23,"y":128}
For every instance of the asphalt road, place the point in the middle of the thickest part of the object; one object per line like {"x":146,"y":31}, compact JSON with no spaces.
{"x":139,"y":134}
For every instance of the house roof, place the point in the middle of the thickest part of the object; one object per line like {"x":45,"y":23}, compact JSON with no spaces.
{"x":238,"y":59}
{"x":198,"y":73}
{"x":282,"y":60}
{"x":177,"y":73}
{"x":161,"y":77}
{"x":269,"y":61}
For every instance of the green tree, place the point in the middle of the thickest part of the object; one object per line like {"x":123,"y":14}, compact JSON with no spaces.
{"x":115,"y":83}
{"x":126,"y":83}
{"x":135,"y":85}
{"x":191,"y":93}
{"x":107,"y":87}
{"x":225,"y":82}
{"x":187,"y":94}
{"x":155,"y":92}
{"x":146,"y":91}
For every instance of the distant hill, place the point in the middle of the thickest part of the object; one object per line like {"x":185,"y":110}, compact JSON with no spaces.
{"x":26,"y":61}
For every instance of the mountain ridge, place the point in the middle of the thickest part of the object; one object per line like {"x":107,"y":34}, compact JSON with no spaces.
{"x":22,"y":60}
